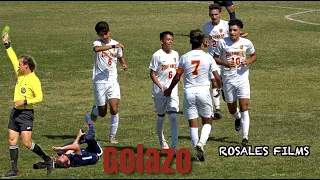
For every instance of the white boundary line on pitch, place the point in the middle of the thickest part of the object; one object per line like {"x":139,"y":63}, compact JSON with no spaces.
{"x":289,"y":15}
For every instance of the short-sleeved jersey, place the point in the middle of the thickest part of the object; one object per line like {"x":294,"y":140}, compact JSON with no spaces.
{"x":215,"y":32}
{"x":228,"y":50}
{"x":196,"y":66}
{"x":87,"y":158}
{"x":165,"y":66}
{"x":105,"y":63}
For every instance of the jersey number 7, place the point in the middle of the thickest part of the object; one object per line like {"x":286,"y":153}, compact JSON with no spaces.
{"x":197,"y":63}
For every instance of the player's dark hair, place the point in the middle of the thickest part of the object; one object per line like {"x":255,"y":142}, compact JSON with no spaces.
{"x":215,"y":6}
{"x":163,"y":34}
{"x":59,"y":164}
{"x":236,"y":22}
{"x":196,"y":38}
{"x":102,"y":27}
{"x":28,"y":60}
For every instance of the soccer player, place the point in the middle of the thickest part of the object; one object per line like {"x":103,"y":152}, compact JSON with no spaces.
{"x":72,"y":155}
{"x":105,"y":77}
{"x":196,"y":65}
{"x":230,"y":53}
{"x":27,"y":93}
{"x":215,"y":29}
{"x":230,"y":8}
{"x":163,"y":65}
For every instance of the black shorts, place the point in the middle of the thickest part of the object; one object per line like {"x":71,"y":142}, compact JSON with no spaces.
{"x":21,"y":120}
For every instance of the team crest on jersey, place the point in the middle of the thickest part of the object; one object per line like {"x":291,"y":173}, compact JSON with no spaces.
{"x":23,"y":90}
{"x":241,"y":47}
{"x":220,"y":30}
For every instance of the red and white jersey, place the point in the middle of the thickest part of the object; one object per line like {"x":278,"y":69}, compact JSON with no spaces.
{"x":165,"y":67}
{"x":228,"y":50}
{"x":105,"y":63}
{"x":196,"y":65}
{"x":215,"y":32}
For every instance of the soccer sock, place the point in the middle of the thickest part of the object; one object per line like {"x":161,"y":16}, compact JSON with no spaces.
{"x":245,"y":123}
{"x":173,"y":129}
{"x":114,"y":121}
{"x":14,"y":157}
{"x":194,"y":136}
{"x":232,"y":15}
{"x":159,"y":128}
{"x":216,"y":100}
{"x":205,"y":131}
{"x":36,"y":149}
{"x":95,"y":111}
{"x":237,"y":115}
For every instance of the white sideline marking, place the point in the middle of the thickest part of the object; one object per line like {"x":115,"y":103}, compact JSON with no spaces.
{"x":289,"y":15}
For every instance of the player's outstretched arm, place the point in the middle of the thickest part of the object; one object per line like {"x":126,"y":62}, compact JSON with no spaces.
{"x":11,"y":54}
{"x":104,"y":48}
{"x":74,"y":146}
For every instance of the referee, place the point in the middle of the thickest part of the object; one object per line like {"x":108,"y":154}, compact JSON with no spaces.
{"x":27,"y":93}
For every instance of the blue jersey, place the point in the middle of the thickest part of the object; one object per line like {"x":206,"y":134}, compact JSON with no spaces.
{"x":87,"y":158}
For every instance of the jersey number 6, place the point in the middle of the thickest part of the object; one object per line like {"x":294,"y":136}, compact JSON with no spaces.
{"x":170,"y":74}
{"x":109,"y":61}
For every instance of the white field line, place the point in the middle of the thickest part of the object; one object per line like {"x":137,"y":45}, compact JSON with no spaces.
{"x":289,"y":15}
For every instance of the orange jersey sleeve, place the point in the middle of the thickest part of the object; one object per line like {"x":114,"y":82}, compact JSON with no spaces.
{"x":180,"y":71}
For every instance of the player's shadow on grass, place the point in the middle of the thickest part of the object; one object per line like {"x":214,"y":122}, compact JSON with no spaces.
{"x":120,"y":148}
{"x":223,"y":139}
{"x":179,"y":112}
{"x":60,"y":136}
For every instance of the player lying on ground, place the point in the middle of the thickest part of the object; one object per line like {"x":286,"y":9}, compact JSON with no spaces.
{"x":72,"y":155}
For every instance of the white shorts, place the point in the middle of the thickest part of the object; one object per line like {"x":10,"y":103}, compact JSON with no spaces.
{"x":163,"y":104}
{"x":103,"y":92}
{"x":195,"y":104}
{"x":234,"y":91}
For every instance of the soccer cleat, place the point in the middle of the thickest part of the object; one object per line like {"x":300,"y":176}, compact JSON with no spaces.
{"x":49,"y":165}
{"x":243,"y":35}
{"x":93,"y":117}
{"x":200,"y":152}
{"x":112,"y":140}
{"x":11,"y":174}
{"x":217,"y":115}
{"x":237,"y":124}
{"x":245,"y":142}
{"x":164,"y":145}
{"x":88,"y":120}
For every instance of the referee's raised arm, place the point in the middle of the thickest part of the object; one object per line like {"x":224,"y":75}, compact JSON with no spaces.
{"x":12,"y":55}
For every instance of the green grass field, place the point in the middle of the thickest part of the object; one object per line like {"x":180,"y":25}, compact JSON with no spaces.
{"x":285,"y":82}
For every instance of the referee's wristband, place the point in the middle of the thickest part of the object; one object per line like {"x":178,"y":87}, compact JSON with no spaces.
{"x":7,"y":45}
{"x":25,"y":102}
{"x":113,"y":46}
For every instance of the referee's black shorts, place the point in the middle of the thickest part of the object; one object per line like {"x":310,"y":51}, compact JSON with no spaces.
{"x":21,"y":120}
